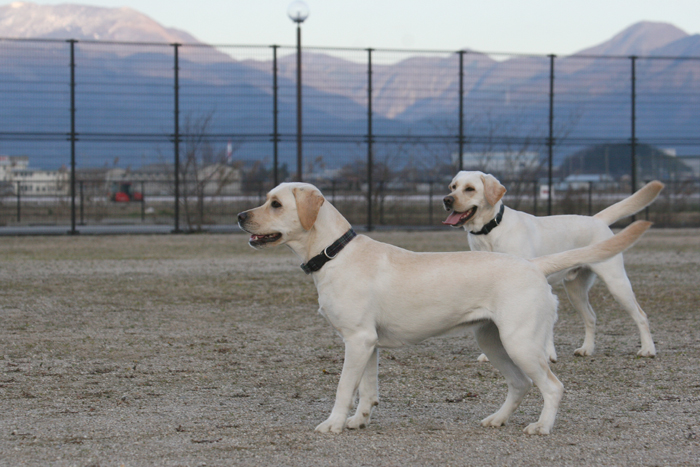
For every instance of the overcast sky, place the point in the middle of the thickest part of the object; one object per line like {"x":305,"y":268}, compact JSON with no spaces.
{"x":522,"y":26}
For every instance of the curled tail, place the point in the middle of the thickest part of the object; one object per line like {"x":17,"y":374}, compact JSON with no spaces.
{"x":593,"y":253}
{"x":632,"y":204}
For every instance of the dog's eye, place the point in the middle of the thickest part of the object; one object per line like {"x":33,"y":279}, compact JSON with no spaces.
{"x":453,"y":187}
{"x":469,"y":188}
{"x":275,"y":204}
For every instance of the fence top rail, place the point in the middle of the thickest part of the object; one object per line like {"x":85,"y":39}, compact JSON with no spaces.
{"x":355,"y":49}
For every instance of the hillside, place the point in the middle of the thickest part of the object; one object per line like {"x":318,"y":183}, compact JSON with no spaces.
{"x":82,"y":22}
{"x":125,"y":93}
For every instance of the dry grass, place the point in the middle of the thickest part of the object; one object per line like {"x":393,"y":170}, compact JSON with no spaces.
{"x":185,"y":350}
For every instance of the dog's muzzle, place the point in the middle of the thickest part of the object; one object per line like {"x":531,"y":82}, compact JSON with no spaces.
{"x":242,"y":217}
{"x":448,"y":202}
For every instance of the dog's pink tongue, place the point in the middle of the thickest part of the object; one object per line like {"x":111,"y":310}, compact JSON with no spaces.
{"x":453,"y":218}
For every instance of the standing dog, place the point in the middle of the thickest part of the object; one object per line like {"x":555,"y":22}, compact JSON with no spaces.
{"x":475,"y":202}
{"x":379,"y":296}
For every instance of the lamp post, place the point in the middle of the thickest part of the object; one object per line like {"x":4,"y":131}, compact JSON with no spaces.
{"x":298,"y":11}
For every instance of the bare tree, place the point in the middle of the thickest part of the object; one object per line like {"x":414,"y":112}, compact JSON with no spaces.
{"x":202,"y":171}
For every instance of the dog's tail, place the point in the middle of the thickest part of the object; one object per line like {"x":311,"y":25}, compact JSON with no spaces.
{"x":593,"y":253}
{"x":632,"y":204}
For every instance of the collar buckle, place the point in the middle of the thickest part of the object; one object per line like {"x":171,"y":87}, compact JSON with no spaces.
{"x":495,"y":222}
{"x":325,"y":252}
{"x":317,"y":262}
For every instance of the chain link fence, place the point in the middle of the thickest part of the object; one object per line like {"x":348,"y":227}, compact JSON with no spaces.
{"x":106,"y":133}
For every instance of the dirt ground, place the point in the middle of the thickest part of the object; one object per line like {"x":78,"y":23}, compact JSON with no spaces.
{"x":196,"y":350}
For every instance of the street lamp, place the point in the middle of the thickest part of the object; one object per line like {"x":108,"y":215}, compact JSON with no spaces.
{"x":298,"y":11}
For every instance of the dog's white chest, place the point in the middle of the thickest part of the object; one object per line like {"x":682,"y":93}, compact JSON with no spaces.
{"x":329,"y":318}
{"x":480,"y":243}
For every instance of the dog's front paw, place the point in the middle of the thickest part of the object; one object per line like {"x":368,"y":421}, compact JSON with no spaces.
{"x":536,"y":429}
{"x":494,"y":420}
{"x":332,"y":425}
{"x":482,"y":358}
{"x":583,"y":351}
{"x":357,"y":421}
{"x":650,"y":353}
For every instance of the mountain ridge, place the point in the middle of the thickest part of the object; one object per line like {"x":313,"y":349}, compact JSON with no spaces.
{"x":415,"y":96}
{"x":640,"y":38}
{"x":72,"y":21}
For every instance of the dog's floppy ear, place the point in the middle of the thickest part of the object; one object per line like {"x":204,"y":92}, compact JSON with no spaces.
{"x":309,"y":202}
{"x":493,"y":190}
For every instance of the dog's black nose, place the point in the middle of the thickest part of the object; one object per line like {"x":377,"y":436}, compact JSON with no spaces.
{"x":448,"y":201}
{"x":242,"y":216}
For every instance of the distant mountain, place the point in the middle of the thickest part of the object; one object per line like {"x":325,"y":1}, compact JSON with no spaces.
{"x":82,"y":22}
{"x":127,"y":90}
{"x":418,"y":86}
{"x":22,"y":20}
{"x":688,"y":46}
{"x":639,"y":39}
{"x":396,"y":87}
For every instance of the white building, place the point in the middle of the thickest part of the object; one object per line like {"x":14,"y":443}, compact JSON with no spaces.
{"x":693,"y":162}
{"x":15,"y":173}
{"x":584,"y":181}
{"x":155,"y":180}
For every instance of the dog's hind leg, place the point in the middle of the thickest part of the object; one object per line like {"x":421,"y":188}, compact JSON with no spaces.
{"x":359,"y":350}
{"x":577,"y":291}
{"x":530,"y":355}
{"x":551,"y":351}
{"x":369,"y":394}
{"x":550,"y":387}
{"x":489,"y":340}
{"x":612,"y":272}
{"x":525,"y":341}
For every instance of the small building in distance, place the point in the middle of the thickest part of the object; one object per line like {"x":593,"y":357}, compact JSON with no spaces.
{"x":615,"y":161}
{"x":159,"y":179}
{"x":16,"y":176}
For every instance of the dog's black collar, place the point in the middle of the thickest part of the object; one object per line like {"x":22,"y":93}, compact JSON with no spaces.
{"x":317,"y":262}
{"x":493,"y":224}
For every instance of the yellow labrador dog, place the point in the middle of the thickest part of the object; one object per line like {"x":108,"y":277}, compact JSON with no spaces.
{"x":379,"y":296}
{"x":475,"y":204}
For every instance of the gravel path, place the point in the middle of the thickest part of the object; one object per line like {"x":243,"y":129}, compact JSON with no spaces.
{"x":196,"y":350}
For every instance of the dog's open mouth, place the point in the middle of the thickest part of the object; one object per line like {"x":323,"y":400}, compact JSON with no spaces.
{"x":261,"y":240}
{"x":458,"y":219}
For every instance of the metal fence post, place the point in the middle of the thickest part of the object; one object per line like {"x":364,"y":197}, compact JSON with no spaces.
{"x":299,"y":109}
{"x":73,"y":136}
{"x":82,"y":203}
{"x":176,"y":138}
{"x":370,"y":161}
{"x":200,"y":205}
{"x":381,"y":196}
{"x":633,"y":139}
{"x":275,"y":112}
{"x":550,"y":139}
{"x":19,"y":203}
{"x":143,"y":202}
{"x":535,"y":195}
{"x":460,"y":154}
{"x":430,"y":202}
